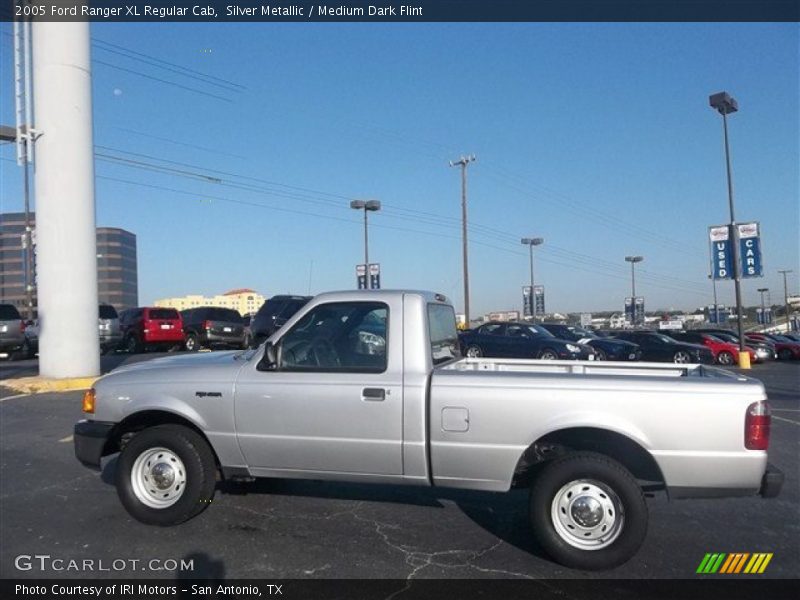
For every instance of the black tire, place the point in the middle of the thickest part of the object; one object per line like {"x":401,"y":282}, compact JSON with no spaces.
{"x":601,"y":473}
{"x":473,"y":351}
{"x":25,"y":351}
{"x":726,"y":358}
{"x":200,"y":474}
{"x":132,"y":345}
{"x":548,"y":354}
{"x":600,"y":354}
{"x":785,"y":354}
{"x":192,"y":344}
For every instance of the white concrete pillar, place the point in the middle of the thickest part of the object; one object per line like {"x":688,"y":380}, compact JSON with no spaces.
{"x":66,"y":262}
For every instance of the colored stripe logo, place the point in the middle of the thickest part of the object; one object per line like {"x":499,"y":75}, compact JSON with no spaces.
{"x":734,"y":563}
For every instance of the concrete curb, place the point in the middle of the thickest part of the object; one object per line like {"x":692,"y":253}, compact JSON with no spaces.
{"x":41,"y":385}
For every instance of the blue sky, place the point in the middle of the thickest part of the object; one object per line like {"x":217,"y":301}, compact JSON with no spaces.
{"x":597,"y":137}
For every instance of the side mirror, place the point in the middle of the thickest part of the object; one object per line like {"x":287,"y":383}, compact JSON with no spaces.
{"x":269,"y":360}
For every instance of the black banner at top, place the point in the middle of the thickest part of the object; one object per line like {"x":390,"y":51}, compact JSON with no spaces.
{"x":403,"y":10}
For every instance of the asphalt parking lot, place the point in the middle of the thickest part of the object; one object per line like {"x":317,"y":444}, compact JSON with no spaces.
{"x":50,"y":504}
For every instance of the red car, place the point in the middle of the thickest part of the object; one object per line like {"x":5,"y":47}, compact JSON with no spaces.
{"x":147,"y":327}
{"x":786,"y":348}
{"x":725,"y":353}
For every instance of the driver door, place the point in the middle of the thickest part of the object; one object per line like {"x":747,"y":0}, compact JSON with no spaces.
{"x":333,"y":402}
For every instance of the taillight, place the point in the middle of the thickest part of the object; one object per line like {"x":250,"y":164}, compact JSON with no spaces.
{"x":206,"y":324}
{"x":756,"y":426}
{"x":22,"y":326}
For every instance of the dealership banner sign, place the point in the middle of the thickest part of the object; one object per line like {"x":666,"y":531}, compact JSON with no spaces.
{"x":538,"y":294}
{"x":361,"y":276}
{"x":748,"y":237}
{"x":527,"y":302}
{"x":750,"y":249}
{"x":721,"y":252}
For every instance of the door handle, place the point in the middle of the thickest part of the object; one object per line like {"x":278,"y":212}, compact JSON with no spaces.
{"x":373,"y":394}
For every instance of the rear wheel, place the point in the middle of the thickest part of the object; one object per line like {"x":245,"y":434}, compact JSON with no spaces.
{"x":588,"y":511}
{"x":725,"y":358}
{"x":192,"y":345}
{"x":132,"y":345}
{"x":681,"y":357}
{"x":600,"y":354}
{"x":166,"y":475}
{"x":548,"y":354}
{"x":474,"y":351}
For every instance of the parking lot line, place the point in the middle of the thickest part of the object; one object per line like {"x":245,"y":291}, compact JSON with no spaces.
{"x":12,"y":397}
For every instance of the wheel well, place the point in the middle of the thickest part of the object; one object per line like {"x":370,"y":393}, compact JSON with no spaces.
{"x":624,"y":450}
{"x":131,"y":425}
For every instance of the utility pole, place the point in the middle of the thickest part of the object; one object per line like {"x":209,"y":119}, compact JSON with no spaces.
{"x":463,"y":162}
{"x":24,"y":141}
{"x":786,"y":297}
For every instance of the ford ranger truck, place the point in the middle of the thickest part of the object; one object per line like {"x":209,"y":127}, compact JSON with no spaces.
{"x":369,"y":386}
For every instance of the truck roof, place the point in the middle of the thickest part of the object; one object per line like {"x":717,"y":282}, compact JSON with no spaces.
{"x":349,"y":295}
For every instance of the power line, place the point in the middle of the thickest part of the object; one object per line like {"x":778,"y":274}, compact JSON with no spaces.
{"x":159,"y":79}
{"x":159,"y":60}
{"x":201,"y":78}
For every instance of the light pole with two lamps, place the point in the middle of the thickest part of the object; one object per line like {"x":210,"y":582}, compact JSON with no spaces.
{"x":531,"y":242}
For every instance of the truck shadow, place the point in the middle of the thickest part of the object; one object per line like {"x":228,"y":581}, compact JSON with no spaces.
{"x":504,"y":515}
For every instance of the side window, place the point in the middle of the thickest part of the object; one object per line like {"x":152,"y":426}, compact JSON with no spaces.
{"x":517,"y":331}
{"x":492,"y":329}
{"x":341,"y":336}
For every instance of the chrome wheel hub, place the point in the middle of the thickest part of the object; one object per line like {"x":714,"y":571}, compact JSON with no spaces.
{"x":587,"y":514}
{"x":158,"y":478}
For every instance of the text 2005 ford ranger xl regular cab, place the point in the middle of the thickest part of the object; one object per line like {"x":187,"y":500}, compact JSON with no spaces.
{"x":370,"y":387}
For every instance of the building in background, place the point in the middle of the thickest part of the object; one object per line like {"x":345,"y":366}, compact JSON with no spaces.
{"x":117,"y":273}
{"x":245,"y":300}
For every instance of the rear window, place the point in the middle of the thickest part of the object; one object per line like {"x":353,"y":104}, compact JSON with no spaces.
{"x":107,"y":312}
{"x":224,"y":314}
{"x":443,"y":333}
{"x":162,"y":313}
{"x":9,"y":312}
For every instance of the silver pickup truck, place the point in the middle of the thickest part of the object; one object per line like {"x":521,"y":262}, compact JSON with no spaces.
{"x":371,"y":387}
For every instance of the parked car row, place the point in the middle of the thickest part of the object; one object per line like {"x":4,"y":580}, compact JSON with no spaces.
{"x":19,"y":338}
{"x":567,"y":342}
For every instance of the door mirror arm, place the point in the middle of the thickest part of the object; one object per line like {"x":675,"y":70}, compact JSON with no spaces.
{"x":269,"y":360}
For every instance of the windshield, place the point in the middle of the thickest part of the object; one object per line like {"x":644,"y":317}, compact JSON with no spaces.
{"x":539,"y":330}
{"x":583,"y":333}
{"x":665,"y":339}
{"x":714,"y":338}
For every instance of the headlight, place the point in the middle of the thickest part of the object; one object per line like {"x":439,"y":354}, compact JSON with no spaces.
{"x":573,"y":348}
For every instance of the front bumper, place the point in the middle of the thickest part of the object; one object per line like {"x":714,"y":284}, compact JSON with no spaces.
{"x":771,"y":482}
{"x":90,"y":440}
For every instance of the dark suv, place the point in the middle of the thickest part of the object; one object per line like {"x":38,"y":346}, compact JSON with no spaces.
{"x":210,"y":326}
{"x":272,"y":315}
{"x":147,"y":327}
{"x":13,"y":342}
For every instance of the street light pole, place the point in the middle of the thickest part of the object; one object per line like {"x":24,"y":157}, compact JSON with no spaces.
{"x":531,"y":242}
{"x":633,"y":260}
{"x":366,"y":206}
{"x":763,"y":312}
{"x":463,"y":162}
{"x":725,"y":105}
{"x":784,"y":272}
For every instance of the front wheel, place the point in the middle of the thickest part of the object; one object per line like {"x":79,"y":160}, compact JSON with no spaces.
{"x":166,"y":475}
{"x":681,"y":357}
{"x":725,"y":358}
{"x":548,"y":354}
{"x":588,"y":512}
{"x":474,"y":351}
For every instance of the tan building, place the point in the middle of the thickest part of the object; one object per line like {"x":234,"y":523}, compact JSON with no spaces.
{"x":244,"y":300}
